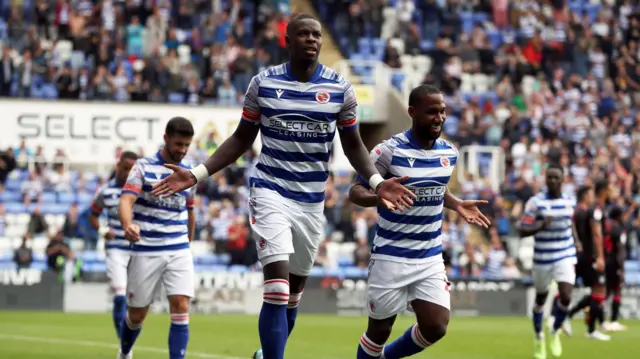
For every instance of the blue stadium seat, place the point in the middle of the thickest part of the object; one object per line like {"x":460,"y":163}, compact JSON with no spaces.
{"x":94,"y":267}
{"x":207,"y":259}
{"x":40,"y":266}
{"x":210,"y":269}
{"x":12,"y":184}
{"x":66,"y":198}
{"x":39,"y":257}
{"x":632,"y":266}
{"x":84,"y":198}
{"x":345,"y":262}
{"x":6,"y":256}
{"x":10,"y":196}
{"x":7,"y":265}
{"x":15,"y":207}
{"x":355,"y":272}
{"x":317,"y":272}
{"x":176,"y":97}
{"x":90,"y":257}
{"x":238,"y":269}
{"x":53,"y":208}
{"x":48,"y":197}
{"x":224,"y":258}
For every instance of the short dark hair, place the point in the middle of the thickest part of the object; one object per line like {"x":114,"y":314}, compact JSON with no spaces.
{"x":556,"y":166}
{"x":422,"y":90}
{"x":582,"y":192}
{"x":296,"y":19}
{"x":601,"y":185}
{"x":179,"y":126}
{"x":128,"y":155}
{"x":616,"y":213}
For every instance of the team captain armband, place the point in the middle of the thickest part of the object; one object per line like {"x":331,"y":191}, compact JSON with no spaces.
{"x":251,"y":116}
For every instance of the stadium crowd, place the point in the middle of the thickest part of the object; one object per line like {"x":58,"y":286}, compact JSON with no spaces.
{"x":564,"y":83}
{"x":198,"y":51}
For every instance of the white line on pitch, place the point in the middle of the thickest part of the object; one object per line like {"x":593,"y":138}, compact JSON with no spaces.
{"x":85,"y":343}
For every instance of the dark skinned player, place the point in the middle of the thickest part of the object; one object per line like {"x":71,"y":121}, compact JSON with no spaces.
{"x":615,"y":253}
{"x":296,"y":107}
{"x":590,"y":226}
{"x":547,"y":217}
{"x":406,"y":261}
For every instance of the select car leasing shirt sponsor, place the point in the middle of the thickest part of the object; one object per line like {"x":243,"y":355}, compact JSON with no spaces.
{"x":297,"y":122}
{"x":162,"y":221}
{"x":413,"y":235}
{"x":554,"y":243}
{"x":108,"y":198}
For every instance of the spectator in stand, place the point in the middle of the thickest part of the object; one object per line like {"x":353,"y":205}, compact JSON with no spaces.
{"x":23,"y":255}
{"x":3,"y":220}
{"x":237,"y":242}
{"x":7,"y":165}
{"x":37,"y":226}
{"x":32,"y":189}
{"x":62,"y":260}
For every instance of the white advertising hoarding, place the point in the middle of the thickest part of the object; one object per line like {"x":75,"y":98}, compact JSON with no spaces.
{"x":90,"y":132}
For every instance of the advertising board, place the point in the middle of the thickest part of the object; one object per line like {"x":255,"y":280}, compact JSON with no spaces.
{"x":30,"y":289}
{"x":90,"y":132}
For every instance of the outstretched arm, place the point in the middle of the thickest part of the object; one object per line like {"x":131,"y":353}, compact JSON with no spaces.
{"x":468,"y":210}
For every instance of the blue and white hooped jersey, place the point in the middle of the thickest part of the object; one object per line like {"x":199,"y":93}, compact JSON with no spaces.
{"x":555,"y":243}
{"x":413,"y":235}
{"x":163,"y":221}
{"x":297,"y":122}
{"x":107,"y":198}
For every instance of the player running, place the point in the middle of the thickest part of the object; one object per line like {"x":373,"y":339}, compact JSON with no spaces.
{"x":590,"y":226}
{"x":117,"y":247}
{"x":547,"y":216}
{"x":160,"y":230}
{"x":615,"y":254}
{"x":406,"y":261}
{"x":296,"y":107}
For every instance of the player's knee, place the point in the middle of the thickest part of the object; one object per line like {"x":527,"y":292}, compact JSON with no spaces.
{"x":433,"y":332}
{"x":179,"y":304}
{"x":276,"y":291}
{"x":541,"y":298}
{"x":565,"y":299}
{"x":136,"y":315}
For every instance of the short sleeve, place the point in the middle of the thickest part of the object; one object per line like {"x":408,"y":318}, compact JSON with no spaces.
{"x":135,"y":180}
{"x":347,"y":119}
{"x":380,"y":156}
{"x":530,"y":212}
{"x":597,"y":214}
{"x":97,"y":204}
{"x":251,"y":107}
{"x":191,"y":197}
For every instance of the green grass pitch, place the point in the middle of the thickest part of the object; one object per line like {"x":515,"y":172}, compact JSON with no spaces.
{"x":44,"y":335}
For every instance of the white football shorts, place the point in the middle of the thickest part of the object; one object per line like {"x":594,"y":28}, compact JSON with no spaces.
{"x":563,"y":271}
{"x":117,"y":261}
{"x":394,"y":285}
{"x":148,"y":274}
{"x":283,"y":232}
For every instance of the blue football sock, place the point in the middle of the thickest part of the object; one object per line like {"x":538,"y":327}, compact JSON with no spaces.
{"x":119,"y":312}
{"x":410,"y":343}
{"x":560,"y":313}
{"x":128,"y":335}
{"x":178,"y":335}
{"x":292,"y":310}
{"x":272,"y":323}
{"x":367,"y":349}
{"x":537,"y":321}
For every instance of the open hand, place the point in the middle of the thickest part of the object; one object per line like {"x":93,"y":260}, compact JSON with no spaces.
{"x":179,"y":180}
{"x":469,"y":211}
{"x":394,"y":193}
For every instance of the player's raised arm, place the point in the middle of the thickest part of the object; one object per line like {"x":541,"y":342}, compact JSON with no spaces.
{"x":356,"y":152}
{"x":228,"y":152}
{"x":130,"y":193}
{"x":528,"y":225}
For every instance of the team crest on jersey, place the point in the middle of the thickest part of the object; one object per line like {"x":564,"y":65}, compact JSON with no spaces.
{"x":323,"y":97}
{"x":372,"y":306}
{"x":262,"y":244}
{"x":444,"y":161}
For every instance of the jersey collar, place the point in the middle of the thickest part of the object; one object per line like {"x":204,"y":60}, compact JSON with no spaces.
{"x":314,"y":77}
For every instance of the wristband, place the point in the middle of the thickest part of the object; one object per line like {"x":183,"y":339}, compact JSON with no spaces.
{"x":375,"y":181}
{"x":200,"y":173}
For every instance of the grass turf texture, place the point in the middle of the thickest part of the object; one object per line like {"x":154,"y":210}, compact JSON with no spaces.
{"x":46,"y":335}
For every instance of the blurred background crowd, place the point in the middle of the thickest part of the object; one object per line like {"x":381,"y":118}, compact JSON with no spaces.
{"x":545,"y":81}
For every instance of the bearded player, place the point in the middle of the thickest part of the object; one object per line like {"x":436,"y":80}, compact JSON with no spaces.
{"x":548,"y":218}
{"x":160,"y":230}
{"x":406,"y":260}
{"x":117,"y":247}
{"x":296,"y":107}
